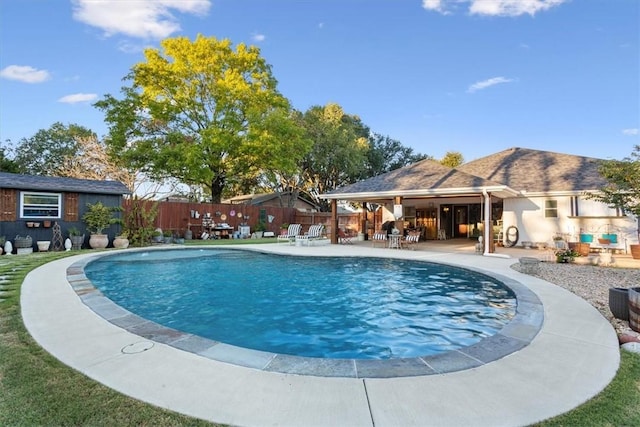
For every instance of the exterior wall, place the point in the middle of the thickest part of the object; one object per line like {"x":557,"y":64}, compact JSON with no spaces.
{"x":528,"y":215}
{"x":17,"y":226}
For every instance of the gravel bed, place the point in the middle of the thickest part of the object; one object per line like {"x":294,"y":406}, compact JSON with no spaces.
{"x":592,"y":284}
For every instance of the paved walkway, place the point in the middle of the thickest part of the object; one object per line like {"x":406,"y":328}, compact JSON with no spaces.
{"x":573,"y":357}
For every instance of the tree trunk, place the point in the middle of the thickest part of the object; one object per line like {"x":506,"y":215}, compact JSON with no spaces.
{"x":217,"y":187}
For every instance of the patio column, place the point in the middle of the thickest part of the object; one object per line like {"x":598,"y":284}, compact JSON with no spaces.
{"x":399,"y":224}
{"x":488,"y":228}
{"x":334,"y":222}
{"x":363,"y":220}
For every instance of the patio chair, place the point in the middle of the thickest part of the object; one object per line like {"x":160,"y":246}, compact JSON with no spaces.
{"x":314,"y":233}
{"x":379,"y":238}
{"x":344,"y":238}
{"x":410,"y":241}
{"x":290,"y":236}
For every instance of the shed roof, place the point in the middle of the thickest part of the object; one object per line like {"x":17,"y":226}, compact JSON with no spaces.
{"x":529,"y":170}
{"x":55,"y":183}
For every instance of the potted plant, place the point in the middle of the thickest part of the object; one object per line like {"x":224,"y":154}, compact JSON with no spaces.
{"x":168,"y":236}
{"x":157,"y":236}
{"x":284,"y":228}
{"x":121,"y":241}
{"x":97,"y":218}
{"x":566,"y":255}
{"x":77,"y":239}
{"x":259,"y":229}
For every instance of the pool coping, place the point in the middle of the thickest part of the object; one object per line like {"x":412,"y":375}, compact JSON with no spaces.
{"x":572,"y":359}
{"x":514,"y":336}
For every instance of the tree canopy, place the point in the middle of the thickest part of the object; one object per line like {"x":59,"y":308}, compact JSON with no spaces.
{"x":453,"y":159}
{"x":203,"y":113}
{"x":45,"y":152}
{"x":623,"y":188}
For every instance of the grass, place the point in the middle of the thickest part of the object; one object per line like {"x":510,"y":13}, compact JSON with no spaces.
{"x":37,"y":389}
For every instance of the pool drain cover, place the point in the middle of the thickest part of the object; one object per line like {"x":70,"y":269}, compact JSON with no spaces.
{"x":137,"y":347}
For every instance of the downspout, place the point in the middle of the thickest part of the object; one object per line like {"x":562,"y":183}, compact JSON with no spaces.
{"x":488,"y":229}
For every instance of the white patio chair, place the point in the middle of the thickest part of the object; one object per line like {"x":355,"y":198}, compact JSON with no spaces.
{"x":293,"y":231}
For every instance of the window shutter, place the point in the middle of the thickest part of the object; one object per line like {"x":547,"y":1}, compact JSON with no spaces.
{"x":8,"y":204}
{"x":71,"y":201}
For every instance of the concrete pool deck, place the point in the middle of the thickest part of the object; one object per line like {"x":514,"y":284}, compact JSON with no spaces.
{"x":573,"y":357}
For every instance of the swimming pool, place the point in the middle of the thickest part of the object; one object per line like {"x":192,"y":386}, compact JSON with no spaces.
{"x":325,"y":307}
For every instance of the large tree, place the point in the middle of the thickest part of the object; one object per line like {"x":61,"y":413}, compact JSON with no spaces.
{"x":203,"y":113}
{"x":7,"y":164}
{"x":45,"y":152}
{"x":386,"y":154}
{"x":338,"y":154}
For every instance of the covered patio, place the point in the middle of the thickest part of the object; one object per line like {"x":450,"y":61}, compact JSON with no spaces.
{"x":440,"y":202}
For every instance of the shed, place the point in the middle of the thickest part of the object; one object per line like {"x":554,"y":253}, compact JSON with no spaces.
{"x":30,"y":205}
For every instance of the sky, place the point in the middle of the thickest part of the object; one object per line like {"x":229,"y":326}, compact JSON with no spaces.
{"x":469,"y":76}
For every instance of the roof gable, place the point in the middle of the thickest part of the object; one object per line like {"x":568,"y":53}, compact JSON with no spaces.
{"x":538,"y":171}
{"x":55,"y":183}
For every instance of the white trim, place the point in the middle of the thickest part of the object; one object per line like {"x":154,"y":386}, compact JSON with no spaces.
{"x":40,"y":193}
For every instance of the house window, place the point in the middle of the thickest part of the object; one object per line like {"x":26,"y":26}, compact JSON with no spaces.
{"x":551,"y":209}
{"x":40,"y":205}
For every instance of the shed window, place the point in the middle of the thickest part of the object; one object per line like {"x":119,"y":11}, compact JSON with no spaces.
{"x":550,"y":208}
{"x":40,"y":205}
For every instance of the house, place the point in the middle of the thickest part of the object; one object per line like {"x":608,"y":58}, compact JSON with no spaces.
{"x":512,"y":196}
{"x":272,"y":200}
{"x":32,"y":205}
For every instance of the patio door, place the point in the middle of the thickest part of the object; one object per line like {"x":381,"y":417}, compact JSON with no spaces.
{"x":461,"y":221}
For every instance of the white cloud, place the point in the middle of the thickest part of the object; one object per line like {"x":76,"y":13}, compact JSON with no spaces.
{"x":78,"y":97}
{"x":494,"y":7}
{"x":435,"y":5}
{"x":488,"y":83}
{"x":24,"y":73}
{"x":258,"y":37}
{"x":147,"y":19}
{"x":631,"y":132}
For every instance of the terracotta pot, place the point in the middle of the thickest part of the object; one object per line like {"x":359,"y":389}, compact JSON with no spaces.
{"x":635,"y":251}
{"x":98,"y":241}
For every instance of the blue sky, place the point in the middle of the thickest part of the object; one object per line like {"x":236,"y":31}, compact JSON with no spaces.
{"x":473,"y":76}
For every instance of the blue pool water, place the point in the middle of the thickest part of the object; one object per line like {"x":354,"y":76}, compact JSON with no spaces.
{"x":333,"y":307}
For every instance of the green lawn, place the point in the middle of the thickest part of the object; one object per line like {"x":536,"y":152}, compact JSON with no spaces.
{"x":37,"y":390}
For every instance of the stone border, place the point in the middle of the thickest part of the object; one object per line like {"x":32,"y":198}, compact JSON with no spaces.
{"x":514,"y":336}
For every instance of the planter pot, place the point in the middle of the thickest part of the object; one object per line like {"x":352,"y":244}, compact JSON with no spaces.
{"x":158,"y":239}
{"x":581,"y":248}
{"x":77,"y":242}
{"x":168,"y":240}
{"x":22,"y":242}
{"x":98,"y":241}
{"x":120,"y":242}
{"x":43,"y":245}
{"x":635,"y":251}
{"x":634,"y":309}
{"x":619,"y":303}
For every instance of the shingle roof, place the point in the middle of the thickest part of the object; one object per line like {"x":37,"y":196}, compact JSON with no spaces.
{"x":426,"y":175}
{"x":538,"y":171}
{"x":54,"y":183}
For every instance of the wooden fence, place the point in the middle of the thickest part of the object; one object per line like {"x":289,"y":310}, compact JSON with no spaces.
{"x":177,"y":217}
